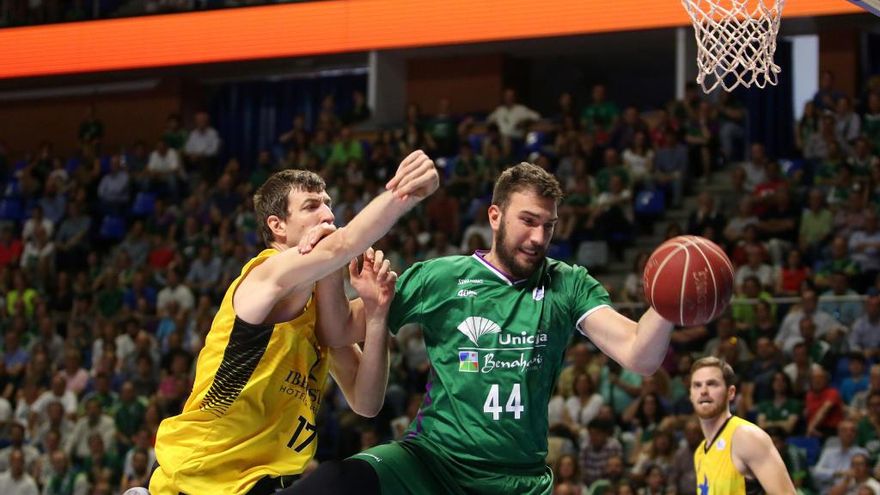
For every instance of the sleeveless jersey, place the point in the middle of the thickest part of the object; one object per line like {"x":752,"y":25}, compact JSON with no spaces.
{"x":716,"y":473}
{"x":496,"y":349}
{"x":252,"y":409}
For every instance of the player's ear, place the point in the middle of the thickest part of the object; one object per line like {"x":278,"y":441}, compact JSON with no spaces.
{"x":277,"y":226}
{"x":494,"y":217}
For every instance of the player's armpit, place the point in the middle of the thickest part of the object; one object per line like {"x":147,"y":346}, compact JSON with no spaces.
{"x":754,"y":449}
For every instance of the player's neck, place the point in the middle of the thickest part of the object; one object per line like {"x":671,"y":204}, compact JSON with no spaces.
{"x":712,"y":426}
{"x":493,"y":259}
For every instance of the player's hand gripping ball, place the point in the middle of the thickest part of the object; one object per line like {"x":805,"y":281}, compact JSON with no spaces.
{"x":688,"y":280}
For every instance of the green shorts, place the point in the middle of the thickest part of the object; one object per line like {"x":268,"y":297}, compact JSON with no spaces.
{"x":408,"y":467}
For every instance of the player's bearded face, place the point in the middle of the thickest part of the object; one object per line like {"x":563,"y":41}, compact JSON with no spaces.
{"x":520,"y":255}
{"x":709,"y":395}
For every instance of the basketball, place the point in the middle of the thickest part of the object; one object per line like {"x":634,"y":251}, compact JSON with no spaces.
{"x":688,"y":280}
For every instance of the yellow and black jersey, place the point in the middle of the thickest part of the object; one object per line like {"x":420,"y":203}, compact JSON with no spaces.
{"x":716,"y":472}
{"x":252,"y":409}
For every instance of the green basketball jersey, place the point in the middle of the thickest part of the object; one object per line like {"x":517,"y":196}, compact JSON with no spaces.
{"x":496,"y":349}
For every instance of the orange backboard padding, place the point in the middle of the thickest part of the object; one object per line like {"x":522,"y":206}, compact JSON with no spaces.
{"x":331,"y":26}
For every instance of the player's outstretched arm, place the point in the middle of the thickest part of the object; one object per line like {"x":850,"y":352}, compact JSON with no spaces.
{"x":639,"y":347}
{"x":754,"y":448}
{"x":363,"y":374}
{"x":290,"y":270}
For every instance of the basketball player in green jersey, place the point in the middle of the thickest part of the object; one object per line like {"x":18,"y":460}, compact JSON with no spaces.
{"x":496,"y":325}
{"x":736,"y":457}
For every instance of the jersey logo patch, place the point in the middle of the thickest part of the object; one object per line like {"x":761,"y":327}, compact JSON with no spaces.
{"x":476,"y":326}
{"x":720,"y":444}
{"x":469,"y":361}
{"x":538,"y":293}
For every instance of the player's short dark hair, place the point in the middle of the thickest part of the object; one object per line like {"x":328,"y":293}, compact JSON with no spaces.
{"x":713,"y":362}
{"x":271,"y":198}
{"x":522,"y":177}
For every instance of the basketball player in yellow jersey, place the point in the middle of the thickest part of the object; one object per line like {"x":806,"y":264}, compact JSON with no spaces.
{"x":736,"y":457}
{"x":249,"y":424}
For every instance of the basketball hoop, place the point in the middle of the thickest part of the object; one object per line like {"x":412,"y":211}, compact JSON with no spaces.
{"x":736,"y":40}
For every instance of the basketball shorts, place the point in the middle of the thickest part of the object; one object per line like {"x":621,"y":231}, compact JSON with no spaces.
{"x":407,"y":467}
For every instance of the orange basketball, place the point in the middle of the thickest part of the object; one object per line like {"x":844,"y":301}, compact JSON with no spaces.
{"x":689,"y":280}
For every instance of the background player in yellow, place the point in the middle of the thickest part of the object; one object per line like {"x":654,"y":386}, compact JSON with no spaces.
{"x":736,"y":457}
{"x":249,"y":423}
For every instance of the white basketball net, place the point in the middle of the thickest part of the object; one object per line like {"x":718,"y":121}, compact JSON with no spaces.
{"x":736,"y":40}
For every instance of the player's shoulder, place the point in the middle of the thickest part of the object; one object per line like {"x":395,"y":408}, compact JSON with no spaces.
{"x":565,"y":269}
{"x":446,"y":268}
{"x":748,"y":436}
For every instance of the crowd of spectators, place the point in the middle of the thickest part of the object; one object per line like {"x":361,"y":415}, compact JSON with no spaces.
{"x":112,"y":264}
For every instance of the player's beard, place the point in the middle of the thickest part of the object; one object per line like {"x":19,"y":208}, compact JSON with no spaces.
{"x":716,"y":410}
{"x":507,"y":255}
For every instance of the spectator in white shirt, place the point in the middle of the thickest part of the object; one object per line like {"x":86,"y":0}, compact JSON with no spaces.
{"x":202,"y":147}
{"x":114,"y":188}
{"x":36,"y":220}
{"x":174,"y":290}
{"x":59,"y":393}
{"x":16,"y":481}
{"x":95,"y":421}
{"x":837,"y":455}
{"x":789,"y":332}
{"x":164,"y":170}
{"x":512,"y":117}
{"x":757,"y":268}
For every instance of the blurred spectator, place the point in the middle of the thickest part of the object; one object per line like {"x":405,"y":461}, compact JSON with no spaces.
{"x":865,"y":334}
{"x":857,"y":381}
{"x":707,"y":216}
{"x":58,"y":393}
{"x":65,"y":479}
{"x":789,"y":330}
{"x":91,"y":132}
{"x":819,"y":145}
{"x":597,"y":449}
{"x":826,"y":96}
{"x":857,"y":478}
{"x":359,"y":112}
{"x":671,"y":166}
{"x":176,"y":291}
{"x":17,"y":481}
{"x":37,"y":220}
{"x":755,"y":267}
{"x":202,"y":146}
{"x":600,"y":116}
{"x":864,"y":248}
{"x":824,"y":411}
{"x":791,"y":277}
{"x":836,"y":458}
{"x":17,"y":445}
{"x":614,"y":476}
{"x":849,"y":125}
{"x":512,"y":117}
{"x":782,"y":410}
{"x":731,"y":131}
{"x":623,"y":134}
{"x":748,"y":175}
{"x":845,"y":311}
{"x":95,"y":421}
{"x":114,"y":190}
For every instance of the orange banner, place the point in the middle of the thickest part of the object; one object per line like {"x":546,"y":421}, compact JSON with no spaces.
{"x":328,"y":27}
